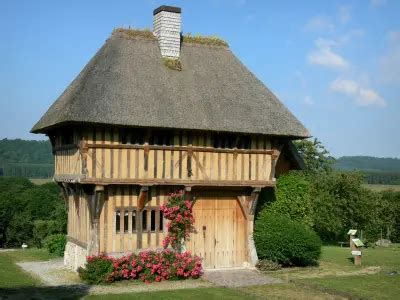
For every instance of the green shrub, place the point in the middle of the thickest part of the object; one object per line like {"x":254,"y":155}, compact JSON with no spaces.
{"x":293,"y":198}
{"x":55,"y":244}
{"x":97,"y":270}
{"x":267,"y":265}
{"x":290,"y":243}
{"x":42,"y":229}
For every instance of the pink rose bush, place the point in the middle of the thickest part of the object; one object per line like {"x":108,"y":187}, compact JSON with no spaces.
{"x":150,"y":266}
{"x":180,"y":215}
{"x":147,"y":266}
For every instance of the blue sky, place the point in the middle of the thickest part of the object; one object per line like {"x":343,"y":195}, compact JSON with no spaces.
{"x":335,"y":64}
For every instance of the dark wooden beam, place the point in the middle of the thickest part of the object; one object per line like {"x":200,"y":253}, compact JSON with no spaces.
{"x":143,"y":197}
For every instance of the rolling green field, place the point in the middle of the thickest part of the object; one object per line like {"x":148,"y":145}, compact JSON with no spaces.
{"x":335,"y":278}
{"x":382,"y":187}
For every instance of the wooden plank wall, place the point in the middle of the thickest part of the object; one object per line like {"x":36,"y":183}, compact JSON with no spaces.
{"x":68,"y":160}
{"x":131,"y":163}
{"x":78,"y":217}
{"x":125,"y":198}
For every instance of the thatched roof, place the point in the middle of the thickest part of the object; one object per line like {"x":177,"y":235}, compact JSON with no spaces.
{"x":126,"y":83}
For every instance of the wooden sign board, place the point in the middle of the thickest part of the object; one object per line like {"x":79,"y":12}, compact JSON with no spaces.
{"x":358,"y":242}
{"x":352,"y":232}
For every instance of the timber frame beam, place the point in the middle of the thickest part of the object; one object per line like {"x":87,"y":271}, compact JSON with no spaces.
{"x":182,"y":182}
{"x":95,"y":202}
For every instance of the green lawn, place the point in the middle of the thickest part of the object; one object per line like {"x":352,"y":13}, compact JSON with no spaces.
{"x":378,"y":286}
{"x":193,"y":294}
{"x":11,"y":276}
{"x":335,"y":278}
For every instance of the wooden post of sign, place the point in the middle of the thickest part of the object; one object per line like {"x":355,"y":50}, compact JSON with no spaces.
{"x":357,"y":260}
{"x":355,"y":246}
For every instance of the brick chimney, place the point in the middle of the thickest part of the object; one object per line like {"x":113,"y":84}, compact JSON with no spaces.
{"x":167,"y":28}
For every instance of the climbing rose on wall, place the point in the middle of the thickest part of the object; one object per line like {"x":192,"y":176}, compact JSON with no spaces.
{"x":180,"y":215}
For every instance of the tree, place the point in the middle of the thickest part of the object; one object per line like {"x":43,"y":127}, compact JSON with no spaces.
{"x":22,"y":204}
{"x":340,"y":202}
{"x":292,"y":198}
{"x":315,"y":155}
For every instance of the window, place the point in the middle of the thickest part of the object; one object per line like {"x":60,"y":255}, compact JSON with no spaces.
{"x":161,"y":221}
{"x":117,"y":221}
{"x":134,"y":220}
{"x":126,"y":220}
{"x":152,"y":213}
{"x":153,"y":220}
{"x":144,"y":220}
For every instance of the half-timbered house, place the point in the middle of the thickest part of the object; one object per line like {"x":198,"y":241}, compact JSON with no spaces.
{"x":130,"y":129}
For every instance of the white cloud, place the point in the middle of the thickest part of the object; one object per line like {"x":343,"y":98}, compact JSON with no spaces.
{"x":376,"y":3}
{"x":308,"y":101}
{"x":344,"y":38}
{"x":344,"y":14}
{"x":325,"y":56}
{"x":362,"y":96}
{"x":389,"y":65}
{"x":320,"y":23}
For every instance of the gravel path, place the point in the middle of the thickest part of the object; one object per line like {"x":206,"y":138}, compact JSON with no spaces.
{"x":53,"y":273}
{"x":239,"y":278}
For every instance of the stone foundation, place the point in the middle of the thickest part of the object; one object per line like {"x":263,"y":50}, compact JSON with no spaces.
{"x":252,"y":251}
{"x":74,"y":256}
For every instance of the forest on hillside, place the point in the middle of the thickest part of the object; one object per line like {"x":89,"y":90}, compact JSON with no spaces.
{"x":376,"y":170}
{"x":26,"y":158}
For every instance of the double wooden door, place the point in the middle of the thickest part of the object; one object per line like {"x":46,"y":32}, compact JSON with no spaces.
{"x":220,"y":235}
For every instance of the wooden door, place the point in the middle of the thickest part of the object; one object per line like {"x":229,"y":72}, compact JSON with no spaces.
{"x":219,"y":236}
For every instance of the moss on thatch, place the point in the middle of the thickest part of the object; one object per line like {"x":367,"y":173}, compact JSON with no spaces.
{"x":134,"y":33}
{"x":172,"y":63}
{"x":204,"y":40}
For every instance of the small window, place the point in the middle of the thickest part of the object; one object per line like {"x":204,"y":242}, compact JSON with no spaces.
{"x":144,"y":220}
{"x":126,"y":220}
{"x":117,"y":221}
{"x":161,"y":221}
{"x":133,"y":220}
{"x":153,"y":220}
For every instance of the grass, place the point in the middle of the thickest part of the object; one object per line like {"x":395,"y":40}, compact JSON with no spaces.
{"x":134,"y":33}
{"x":173,"y":63}
{"x":11,"y":276}
{"x":382,"y":187}
{"x":40,"y":181}
{"x":378,"y":286}
{"x":193,"y":294}
{"x":335,"y":278}
{"x":204,"y":40}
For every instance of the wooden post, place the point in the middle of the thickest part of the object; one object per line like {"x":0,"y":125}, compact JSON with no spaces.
{"x":95,"y":203}
{"x":357,"y":260}
{"x":252,"y":254}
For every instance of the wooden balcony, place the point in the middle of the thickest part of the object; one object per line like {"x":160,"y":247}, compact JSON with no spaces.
{"x":165,"y":165}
